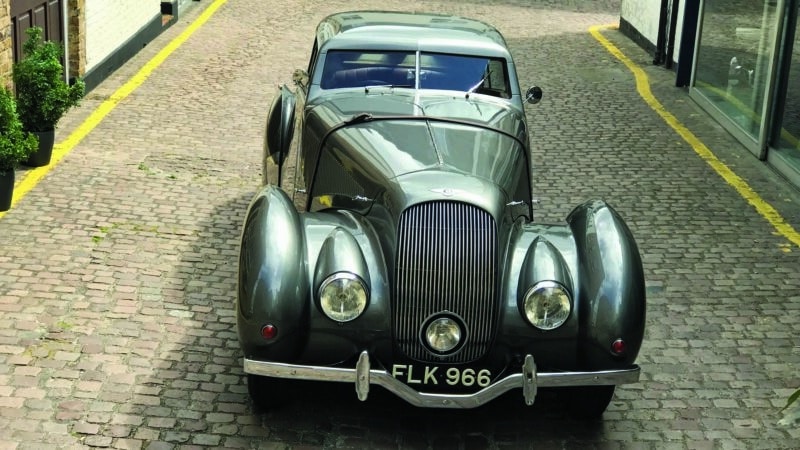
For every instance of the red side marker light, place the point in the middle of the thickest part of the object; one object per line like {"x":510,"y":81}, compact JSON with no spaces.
{"x":269,"y":331}
{"x":618,"y":347}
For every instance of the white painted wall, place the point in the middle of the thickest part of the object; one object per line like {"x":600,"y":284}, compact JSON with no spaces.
{"x":643,"y":15}
{"x":109,"y":24}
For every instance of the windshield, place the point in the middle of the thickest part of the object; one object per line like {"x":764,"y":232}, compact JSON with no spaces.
{"x":423,"y":70}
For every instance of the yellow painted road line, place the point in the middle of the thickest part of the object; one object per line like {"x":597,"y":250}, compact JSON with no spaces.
{"x":63,"y":148}
{"x":643,"y":87}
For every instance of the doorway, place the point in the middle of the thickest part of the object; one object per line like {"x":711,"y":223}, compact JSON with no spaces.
{"x":46,"y":14}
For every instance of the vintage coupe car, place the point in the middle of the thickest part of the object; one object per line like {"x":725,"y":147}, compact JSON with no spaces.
{"x":413,"y":262}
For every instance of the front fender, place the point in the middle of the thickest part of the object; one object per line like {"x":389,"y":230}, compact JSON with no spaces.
{"x":273,"y":281}
{"x":611,"y":285}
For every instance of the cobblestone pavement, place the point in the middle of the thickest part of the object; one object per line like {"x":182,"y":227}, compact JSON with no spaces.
{"x":117,"y":272}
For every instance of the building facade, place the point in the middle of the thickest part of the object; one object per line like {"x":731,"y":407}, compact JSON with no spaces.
{"x":98,"y":35}
{"x":741,"y":62}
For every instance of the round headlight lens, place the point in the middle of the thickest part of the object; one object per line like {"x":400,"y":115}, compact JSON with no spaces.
{"x":547,"y":305}
{"x":342,"y":297}
{"x":443,"y":334}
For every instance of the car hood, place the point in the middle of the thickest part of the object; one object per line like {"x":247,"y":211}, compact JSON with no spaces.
{"x":343,"y":106}
{"x":379,"y":151}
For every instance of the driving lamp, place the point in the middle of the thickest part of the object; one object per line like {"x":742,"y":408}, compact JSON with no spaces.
{"x":443,"y":334}
{"x":547,"y":305}
{"x":342,"y":297}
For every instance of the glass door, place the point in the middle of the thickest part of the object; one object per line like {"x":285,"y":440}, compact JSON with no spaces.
{"x":734,"y":70}
{"x":785,"y":152}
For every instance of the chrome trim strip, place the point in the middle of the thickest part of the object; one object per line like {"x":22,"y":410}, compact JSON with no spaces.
{"x":362,"y":376}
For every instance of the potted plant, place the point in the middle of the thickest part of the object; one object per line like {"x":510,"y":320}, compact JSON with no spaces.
{"x":43,"y":96}
{"x":16,"y":146}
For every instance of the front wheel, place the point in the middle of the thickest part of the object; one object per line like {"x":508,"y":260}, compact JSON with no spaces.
{"x":588,"y":402}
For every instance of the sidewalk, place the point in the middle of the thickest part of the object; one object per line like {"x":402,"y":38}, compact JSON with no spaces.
{"x":118,"y":269}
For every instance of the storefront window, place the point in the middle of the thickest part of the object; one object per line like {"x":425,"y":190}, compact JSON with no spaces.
{"x":788,"y":141}
{"x":734,"y":59}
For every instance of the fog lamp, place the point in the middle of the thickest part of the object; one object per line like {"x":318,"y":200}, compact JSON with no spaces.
{"x":443,"y":334}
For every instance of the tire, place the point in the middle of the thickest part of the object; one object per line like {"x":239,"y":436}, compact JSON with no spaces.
{"x":588,"y":402}
{"x":268,"y":393}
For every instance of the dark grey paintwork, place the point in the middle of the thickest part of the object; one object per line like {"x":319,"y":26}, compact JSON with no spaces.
{"x":364,"y":155}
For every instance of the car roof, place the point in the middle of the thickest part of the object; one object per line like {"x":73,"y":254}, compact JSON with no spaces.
{"x":396,"y":30}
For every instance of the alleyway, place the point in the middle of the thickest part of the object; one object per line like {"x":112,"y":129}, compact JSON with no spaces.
{"x":118,"y":269}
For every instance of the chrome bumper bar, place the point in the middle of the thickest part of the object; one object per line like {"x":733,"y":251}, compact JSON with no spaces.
{"x":362,"y":376}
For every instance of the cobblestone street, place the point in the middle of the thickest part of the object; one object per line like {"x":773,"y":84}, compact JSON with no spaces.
{"x":118,"y":270}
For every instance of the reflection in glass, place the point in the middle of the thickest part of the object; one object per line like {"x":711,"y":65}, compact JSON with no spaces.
{"x":473,"y":74}
{"x":788,"y":142}
{"x":733,"y":59}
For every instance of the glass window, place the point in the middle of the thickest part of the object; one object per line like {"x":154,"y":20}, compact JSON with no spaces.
{"x":347,"y":68}
{"x":734,"y":56}
{"x":464,"y":73}
{"x":788,"y":142}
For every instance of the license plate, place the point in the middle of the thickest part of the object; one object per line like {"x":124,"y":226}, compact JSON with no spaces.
{"x":438,"y":375}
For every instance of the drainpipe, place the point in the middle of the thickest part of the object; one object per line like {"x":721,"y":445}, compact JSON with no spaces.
{"x":658,"y":58}
{"x":673,"y":23}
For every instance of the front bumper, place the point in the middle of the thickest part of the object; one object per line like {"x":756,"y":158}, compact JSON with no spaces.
{"x":363,"y":375}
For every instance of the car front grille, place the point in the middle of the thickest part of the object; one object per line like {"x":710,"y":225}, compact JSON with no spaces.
{"x":446,"y":261}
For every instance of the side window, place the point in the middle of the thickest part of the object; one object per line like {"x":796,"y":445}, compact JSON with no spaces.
{"x":496,"y":77}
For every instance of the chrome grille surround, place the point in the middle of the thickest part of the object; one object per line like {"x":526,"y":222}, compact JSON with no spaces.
{"x":446,"y":261}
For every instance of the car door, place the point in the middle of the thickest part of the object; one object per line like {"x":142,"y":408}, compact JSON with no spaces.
{"x":301,"y":80}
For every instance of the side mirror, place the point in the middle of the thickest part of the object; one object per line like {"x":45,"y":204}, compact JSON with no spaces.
{"x":534,"y":95}
{"x":300,"y":77}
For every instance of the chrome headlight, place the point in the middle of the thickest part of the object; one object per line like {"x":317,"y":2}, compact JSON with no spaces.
{"x":443,"y":334}
{"x":547,"y":305}
{"x":343,"y":296}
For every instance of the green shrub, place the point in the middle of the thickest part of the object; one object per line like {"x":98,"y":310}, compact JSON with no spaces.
{"x":42,"y":94}
{"x":15,"y":145}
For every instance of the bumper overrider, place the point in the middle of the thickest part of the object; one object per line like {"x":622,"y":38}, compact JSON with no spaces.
{"x":364,"y":375}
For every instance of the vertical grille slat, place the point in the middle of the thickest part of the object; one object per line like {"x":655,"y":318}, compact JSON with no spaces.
{"x":446,"y":260}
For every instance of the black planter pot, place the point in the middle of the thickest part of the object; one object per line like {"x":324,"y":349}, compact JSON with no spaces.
{"x":41,"y":157}
{"x":6,"y":189}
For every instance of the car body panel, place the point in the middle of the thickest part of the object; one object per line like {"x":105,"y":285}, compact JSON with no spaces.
{"x":423,"y":197}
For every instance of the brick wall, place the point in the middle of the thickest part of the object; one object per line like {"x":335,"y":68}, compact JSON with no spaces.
{"x":6,"y":51}
{"x":76,"y":29}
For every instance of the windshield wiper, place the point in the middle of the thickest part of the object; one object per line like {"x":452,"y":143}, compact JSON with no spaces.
{"x":387,"y":86}
{"x":476,"y":87}
{"x":487,"y":74}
